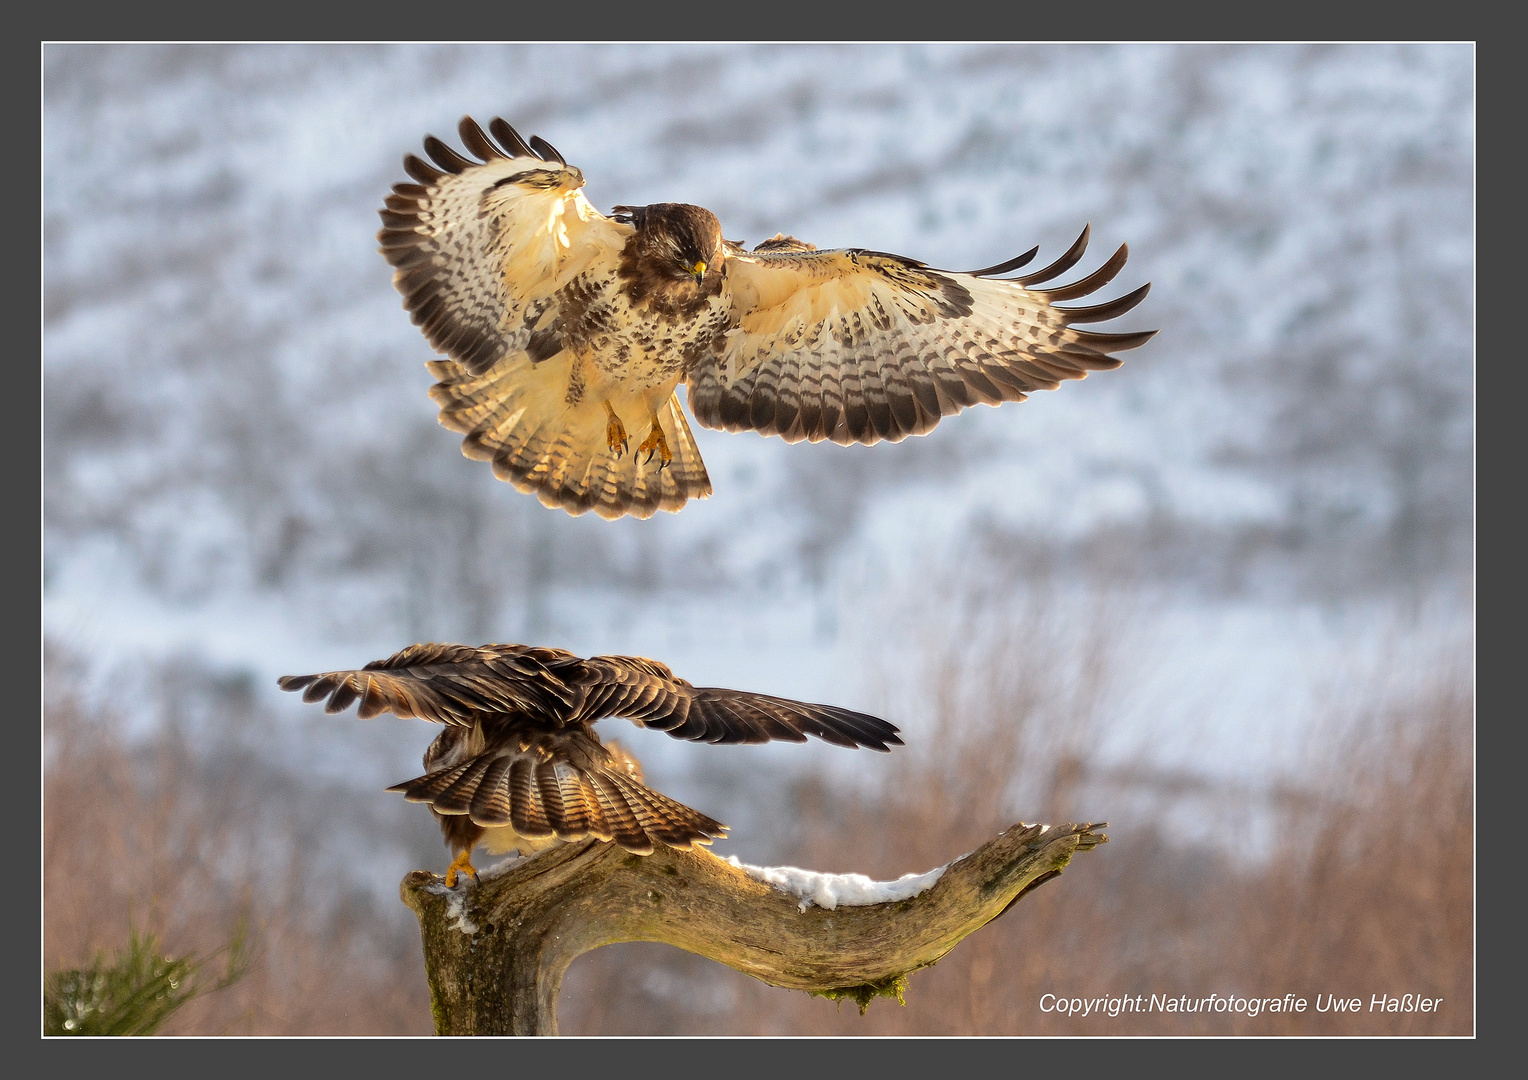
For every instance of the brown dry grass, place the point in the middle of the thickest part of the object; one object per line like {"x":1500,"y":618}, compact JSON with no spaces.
{"x":156,"y":838}
{"x":1369,"y":889}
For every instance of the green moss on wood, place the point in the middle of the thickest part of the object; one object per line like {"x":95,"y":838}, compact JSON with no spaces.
{"x":863,"y":994}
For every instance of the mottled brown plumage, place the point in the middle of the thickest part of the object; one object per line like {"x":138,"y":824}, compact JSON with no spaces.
{"x":565,"y":329}
{"x":519,"y":765}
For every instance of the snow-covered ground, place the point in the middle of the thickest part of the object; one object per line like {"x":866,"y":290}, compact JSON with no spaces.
{"x":243,"y":473}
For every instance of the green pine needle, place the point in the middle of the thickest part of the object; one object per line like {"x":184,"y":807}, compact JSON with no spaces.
{"x":135,"y":991}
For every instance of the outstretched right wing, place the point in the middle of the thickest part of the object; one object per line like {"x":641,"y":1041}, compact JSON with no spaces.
{"x":481,"y":247}
{"x":649,"y":694}
{"x":460,"y":684}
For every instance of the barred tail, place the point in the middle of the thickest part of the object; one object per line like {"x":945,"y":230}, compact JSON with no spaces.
{"x":516,"y":415}
{"x":544,"y":798}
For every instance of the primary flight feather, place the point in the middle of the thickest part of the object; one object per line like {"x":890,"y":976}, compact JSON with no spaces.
{"x":567,"y":332}
{"x":519,"y":765}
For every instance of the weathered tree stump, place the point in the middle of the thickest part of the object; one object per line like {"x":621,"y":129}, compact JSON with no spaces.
{"x":496,"y":951}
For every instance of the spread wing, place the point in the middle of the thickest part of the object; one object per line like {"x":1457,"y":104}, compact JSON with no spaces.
{"x":492,"y":256}
{"x":860,"y":346}
{"x":481,"y":247}
{"x":648,"y":693}
{"x":459,"y":684}
{"x":447,"y":684}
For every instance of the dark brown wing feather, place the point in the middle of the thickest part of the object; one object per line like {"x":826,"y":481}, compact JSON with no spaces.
{"x":649,"y":693}
{"x":447,"y":684}
{"x":457,"y":684}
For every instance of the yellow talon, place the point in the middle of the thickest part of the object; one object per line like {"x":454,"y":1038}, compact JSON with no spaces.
{"x":615,"y":432}
{"x":462,"y":864}
{"x":656,"y":442}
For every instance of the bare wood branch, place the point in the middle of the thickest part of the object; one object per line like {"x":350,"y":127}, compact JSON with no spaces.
{"x":496,"y":951}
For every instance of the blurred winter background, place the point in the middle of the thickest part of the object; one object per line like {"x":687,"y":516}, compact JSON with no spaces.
{"x":1221,"y":597}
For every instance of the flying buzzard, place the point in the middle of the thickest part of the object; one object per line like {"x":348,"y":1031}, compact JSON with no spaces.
{"x":519,"y":765}
{"x":568,"y":332}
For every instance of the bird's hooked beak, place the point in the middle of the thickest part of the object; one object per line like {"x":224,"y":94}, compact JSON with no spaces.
{"x":698,"y":271}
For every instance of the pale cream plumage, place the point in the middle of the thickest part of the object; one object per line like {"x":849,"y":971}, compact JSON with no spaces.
{"x":564,"y":329}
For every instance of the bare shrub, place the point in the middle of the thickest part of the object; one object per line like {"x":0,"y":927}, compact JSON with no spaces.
{"x":152,"y":837}
{"x":1372,"y":890}
{"x":1369,"y":890}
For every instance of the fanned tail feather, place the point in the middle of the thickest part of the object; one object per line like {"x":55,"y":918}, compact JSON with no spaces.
{"x":516,"y":416}
{"x":555,"y":798}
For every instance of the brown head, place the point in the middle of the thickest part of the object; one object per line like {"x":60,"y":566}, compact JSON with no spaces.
{"x":677,"y":251}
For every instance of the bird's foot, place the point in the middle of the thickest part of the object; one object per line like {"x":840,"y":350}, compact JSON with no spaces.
{"x":655,"y":443}
{"x":615,"y":432}
{"x":462,"y":864}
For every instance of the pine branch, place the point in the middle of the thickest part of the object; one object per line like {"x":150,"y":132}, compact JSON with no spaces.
{"x":135,"y":991}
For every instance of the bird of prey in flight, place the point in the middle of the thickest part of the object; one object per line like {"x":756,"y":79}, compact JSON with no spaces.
{"x":519,"y":766}
{"x":565,"y":333}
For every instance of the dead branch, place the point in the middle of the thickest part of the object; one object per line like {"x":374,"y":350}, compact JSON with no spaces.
{"x":496,"y":951}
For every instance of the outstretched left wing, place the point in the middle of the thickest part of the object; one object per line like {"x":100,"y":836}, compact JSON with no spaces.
{"x":447,"y":684}
{"x":459,"y":685}
{"x":859,"y":346}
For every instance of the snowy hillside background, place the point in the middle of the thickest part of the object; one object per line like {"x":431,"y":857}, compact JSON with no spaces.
{"x":1271,"y":503}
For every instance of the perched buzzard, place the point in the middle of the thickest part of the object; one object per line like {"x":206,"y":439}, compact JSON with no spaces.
{"x":568,"y":332}
{"x":519,"y":765}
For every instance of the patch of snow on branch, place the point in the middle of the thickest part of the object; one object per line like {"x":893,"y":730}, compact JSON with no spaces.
{"x":832,"y":890}
{"x":456,"y":907}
